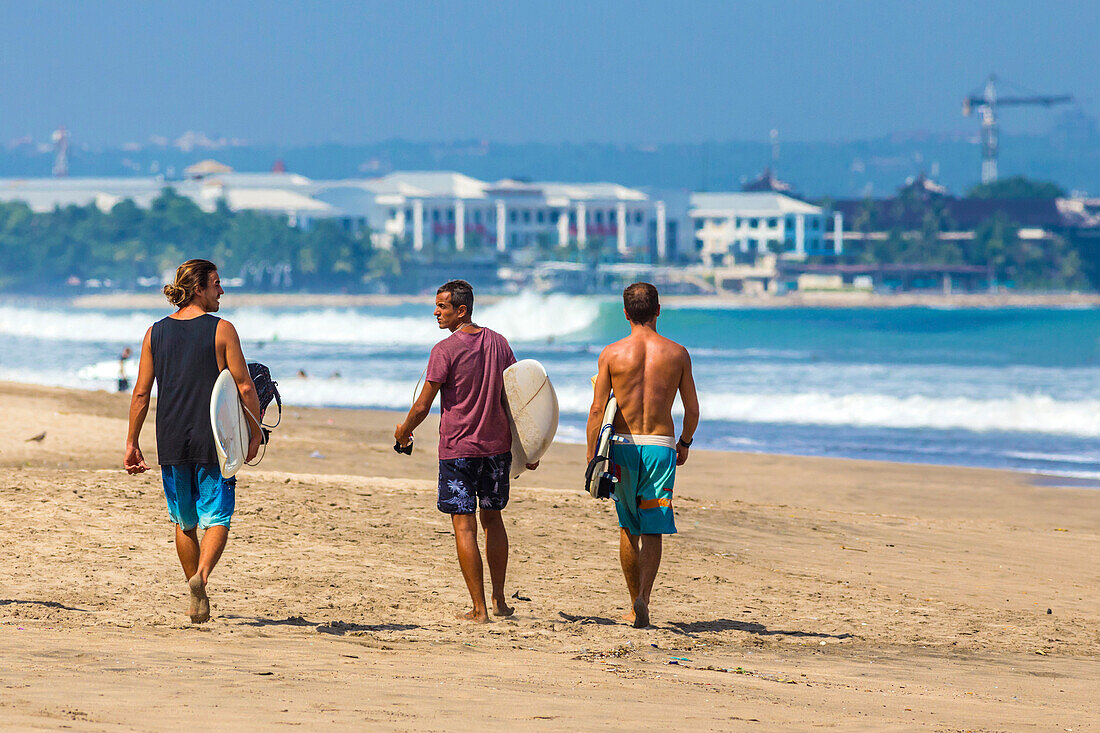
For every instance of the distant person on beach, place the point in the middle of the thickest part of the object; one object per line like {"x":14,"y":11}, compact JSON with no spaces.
{"x":123,"y":380}
{"x":645,"y":370}
{"x":185,"y":352}
{"x":475,"y":440}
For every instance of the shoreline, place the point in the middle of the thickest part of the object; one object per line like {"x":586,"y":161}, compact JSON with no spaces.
{"x":823,"y":299}
{"x":1036,"y":478}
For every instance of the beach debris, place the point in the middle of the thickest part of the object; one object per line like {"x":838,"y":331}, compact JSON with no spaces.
{"x":1056,"y":529}
{"x":1049,"y":611}
{"x":618,"y":652}
{"x":517,"y":596}
{"x":36,"y":438}
{"x":316,"y":454}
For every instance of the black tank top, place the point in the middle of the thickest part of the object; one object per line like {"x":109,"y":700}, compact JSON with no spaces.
{"x":185,"y":365}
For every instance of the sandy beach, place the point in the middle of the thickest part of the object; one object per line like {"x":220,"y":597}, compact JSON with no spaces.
{"x":800,"y":593}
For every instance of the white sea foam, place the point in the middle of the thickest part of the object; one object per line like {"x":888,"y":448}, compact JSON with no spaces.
{"x":1016,"y":413}
{"x":570,"y":434}
{"x":105,"y":371}
{"x":1089,"y":458}
{"x":383,"y":393}
{"x":1080,"y":475}
{"x":524,"y":318}
{"x":116,"y":327}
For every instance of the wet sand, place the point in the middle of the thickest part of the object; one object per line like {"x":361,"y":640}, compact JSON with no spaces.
{"x":800,"y":593}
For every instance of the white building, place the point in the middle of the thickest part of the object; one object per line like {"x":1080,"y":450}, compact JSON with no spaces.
{"x":268,"y":193}
{"x":437,"y":211}
{"x":729,"y":225}
{"x":447,"y":211}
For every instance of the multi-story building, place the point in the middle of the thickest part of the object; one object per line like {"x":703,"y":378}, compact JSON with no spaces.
{"x":445,"y":211}
{"x":431,"y":212}
{"x":737,"y":226}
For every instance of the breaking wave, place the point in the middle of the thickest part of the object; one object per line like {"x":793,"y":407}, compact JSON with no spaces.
{"x":524,"y":318}
{"x":1016,"y":413}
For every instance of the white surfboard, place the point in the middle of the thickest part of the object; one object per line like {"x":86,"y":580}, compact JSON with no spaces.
{"x":532,"y":408}
{"x":229,"y":424}
{"x":603,"y":447}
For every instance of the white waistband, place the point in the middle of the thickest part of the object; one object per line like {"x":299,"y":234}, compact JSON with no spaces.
{"x":663,"y":440}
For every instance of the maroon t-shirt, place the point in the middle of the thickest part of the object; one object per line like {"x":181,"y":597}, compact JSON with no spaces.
{"x":470,"y":366}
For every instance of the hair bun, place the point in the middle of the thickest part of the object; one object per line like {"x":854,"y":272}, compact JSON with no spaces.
{"x":174,"y":293}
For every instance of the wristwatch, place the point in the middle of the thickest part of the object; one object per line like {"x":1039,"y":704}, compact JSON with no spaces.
{"x":685,"y":443}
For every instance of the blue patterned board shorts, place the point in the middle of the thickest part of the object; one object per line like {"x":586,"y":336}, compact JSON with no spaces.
{"x":643,"y":494}
{"x":467,"y":484}
{"x":198,"y":495}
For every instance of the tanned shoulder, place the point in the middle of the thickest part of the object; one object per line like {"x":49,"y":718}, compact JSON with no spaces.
{"x":613,"y":348}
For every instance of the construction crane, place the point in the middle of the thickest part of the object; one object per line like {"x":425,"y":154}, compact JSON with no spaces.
{"x":986,"y":105}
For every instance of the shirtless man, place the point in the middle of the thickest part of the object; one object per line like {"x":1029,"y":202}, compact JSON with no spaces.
{"x":184,"y":353}
{"x":645,"y":371}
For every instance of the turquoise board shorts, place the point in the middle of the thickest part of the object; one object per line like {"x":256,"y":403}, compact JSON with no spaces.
{"x":198,"y":495}
{"x":646,"y":468}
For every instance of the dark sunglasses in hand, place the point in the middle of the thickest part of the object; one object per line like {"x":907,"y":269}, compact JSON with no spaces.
{"x":406,"y":449}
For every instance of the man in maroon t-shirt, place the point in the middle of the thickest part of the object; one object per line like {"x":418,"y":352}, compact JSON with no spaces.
{"x":475,"y":440}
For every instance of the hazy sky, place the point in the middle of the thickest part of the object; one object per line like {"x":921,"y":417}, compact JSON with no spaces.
{"x":632,"y":71}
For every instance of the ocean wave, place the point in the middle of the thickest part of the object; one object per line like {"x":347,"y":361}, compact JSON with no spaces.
{"x":105,"y":371}
{"x":572,"y":434}
{"x":122,"y":327}
{"x":1080,"y":475}
{"x":1014,"y":413}
{"x":1018,"y":413}
{"x":1082,"y":459}
{"x":523,"y":318}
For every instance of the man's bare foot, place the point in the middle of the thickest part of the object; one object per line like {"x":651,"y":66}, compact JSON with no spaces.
{"x":199,"y":608}
{"x":500,"y":608}
{"x":477,"y":617}
{"x":641,"y":614}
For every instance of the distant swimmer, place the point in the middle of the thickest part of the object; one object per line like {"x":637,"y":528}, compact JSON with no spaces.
{"x":123,"y":380}
{"x":645,"y":371}
{"x":176,"y":353}
{"x":475,"y":440}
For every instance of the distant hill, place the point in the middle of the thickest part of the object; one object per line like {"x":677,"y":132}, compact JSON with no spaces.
{"x":877,"y":167}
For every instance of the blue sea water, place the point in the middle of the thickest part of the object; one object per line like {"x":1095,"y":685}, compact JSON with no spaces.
{"x":1010,"y":388}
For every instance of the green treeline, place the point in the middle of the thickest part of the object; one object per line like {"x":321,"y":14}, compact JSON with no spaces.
{"x":1059,"y":262}
{"x":41,"y":251}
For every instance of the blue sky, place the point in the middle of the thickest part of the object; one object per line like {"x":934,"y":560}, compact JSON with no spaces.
{"x":296,"y":73}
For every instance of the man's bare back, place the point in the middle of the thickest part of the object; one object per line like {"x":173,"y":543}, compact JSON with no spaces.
{"x":646,"y":371}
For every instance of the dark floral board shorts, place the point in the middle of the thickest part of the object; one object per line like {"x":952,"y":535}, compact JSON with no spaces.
{"x":469,"y":484}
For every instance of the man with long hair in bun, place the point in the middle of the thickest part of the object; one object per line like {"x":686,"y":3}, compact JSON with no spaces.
{"x":184,"y":353}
